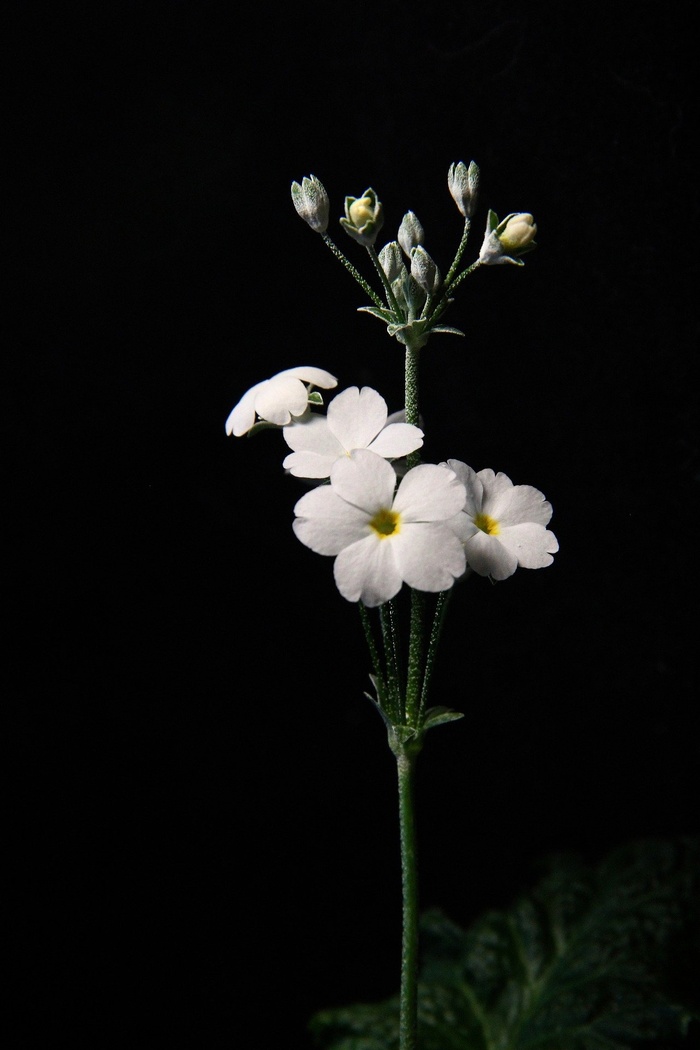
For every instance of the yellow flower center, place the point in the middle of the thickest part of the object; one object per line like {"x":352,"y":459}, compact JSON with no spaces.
{"x":386,"y":523}
{"x":360,"y":211}
{"x":488,"y":525}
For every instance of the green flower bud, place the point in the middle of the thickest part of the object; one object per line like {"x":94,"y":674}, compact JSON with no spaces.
{"x":311,"y":202}
{"x":391,"y":260}
{"x":364,"y":217}
{"x":410,"y":233}
{"x":505,"y":241}
{"x":424,"y":271}
{"x":463,"y":183}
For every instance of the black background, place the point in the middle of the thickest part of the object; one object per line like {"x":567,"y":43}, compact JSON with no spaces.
{"x":204,"y":801}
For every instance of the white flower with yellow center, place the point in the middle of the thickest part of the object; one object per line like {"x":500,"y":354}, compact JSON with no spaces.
{"x":278,"y":400}
{"x":383,"y":539}
{"x":355,"y":419}
{"x":502,"y":525}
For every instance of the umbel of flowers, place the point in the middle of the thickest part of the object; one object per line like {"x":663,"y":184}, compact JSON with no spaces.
{"x":401,"y":532}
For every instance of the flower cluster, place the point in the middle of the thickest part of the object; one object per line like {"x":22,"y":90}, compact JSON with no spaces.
{"x":386,"y":518}
{"x":384,"y":525}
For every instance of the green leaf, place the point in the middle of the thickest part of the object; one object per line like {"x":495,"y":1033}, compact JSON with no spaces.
{"x":437,"y":716}
{"x":445,"y":328}
{"x":387,"y":316}
{"x":592,"y":958}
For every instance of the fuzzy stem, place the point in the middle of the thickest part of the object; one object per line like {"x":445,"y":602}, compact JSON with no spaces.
{"x":355,"y":273}
{"x":443,"y":600}
{"x":415,"y":660}
{"x":408,"y":998}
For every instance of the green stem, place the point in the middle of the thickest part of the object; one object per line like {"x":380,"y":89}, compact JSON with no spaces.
{"x":355,"y":273}
{"x":408,"y":1000}
{"x":390,"y":637}
{"x":411,"y":397}
{"x":443,"y":600}
{"x":460,"y":252}
{"x":415,"y":660}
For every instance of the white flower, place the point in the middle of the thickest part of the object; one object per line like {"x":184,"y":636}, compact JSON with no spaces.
{"x":382,"y":540}
{"x":502,"y":524}
{"x":355,"y":419}
{"x":278,"y":400}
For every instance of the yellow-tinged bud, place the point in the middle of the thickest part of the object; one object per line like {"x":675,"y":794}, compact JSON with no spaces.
{"x":361,"y":211}
{"x":504,"y":241}
{"x":364,"y":217}
{"x":519,"y":231}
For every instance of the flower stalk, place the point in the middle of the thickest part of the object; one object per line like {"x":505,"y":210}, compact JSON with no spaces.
{"x":408,"y":994}
{"x":387,"y":518}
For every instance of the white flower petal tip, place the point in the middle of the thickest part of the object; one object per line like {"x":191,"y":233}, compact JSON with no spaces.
{"x":356,"y":419}
{"x":380,"y":540}
{"x":502,"y":525}
{"x":278,"y":400}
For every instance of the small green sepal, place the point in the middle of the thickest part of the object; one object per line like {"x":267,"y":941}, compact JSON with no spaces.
{"x":315,"y":397}
{"x":262,"y":425}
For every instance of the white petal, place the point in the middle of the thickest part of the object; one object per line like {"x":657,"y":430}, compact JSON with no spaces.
{"x":281,"y":398}
{"x":312,"y":435}
{"x":519,"y":504}
{"x":488,"y":557}
{"x":462,"y":526}
{"x":308,"y":464}
{"x":530,"y":543}
{"x":496,"y":488}
{"x":315,"y":448}
{"x":429,"y":555}
{"x":472,"y":483}
{"x":364,"y":479}
{"x":315,"y":376}
{"x":429,"y":493}
{"x":367,"y":571}
{"x":326,"y":523}
{"x":242,"y":417}
{"x":356,"y":416}
{"x":397,"y":439}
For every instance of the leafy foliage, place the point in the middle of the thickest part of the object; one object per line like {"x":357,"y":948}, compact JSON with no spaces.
{"x":593,"y":958}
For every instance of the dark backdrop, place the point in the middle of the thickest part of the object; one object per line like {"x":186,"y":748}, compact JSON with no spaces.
{"x":204,"y":801}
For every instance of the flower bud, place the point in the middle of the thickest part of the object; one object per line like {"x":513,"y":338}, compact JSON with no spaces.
{"x":463,"y":184}
{"x":364,"y":217}
{"x":410,"y":233}
{"x":505,"y":241}
{"x":424,"y":271}
{"x":311,"y":202}
{"x":391,"y":260}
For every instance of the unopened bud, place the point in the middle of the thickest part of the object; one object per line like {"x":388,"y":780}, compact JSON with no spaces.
{"x":364,"y":217}
{"x":311,"y":202}
{"x":505,"y":241}
{"x":391,"y":260}
{"x":463,"y":184}
{"x":410,"y":233}
{"x":424,"y":271}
